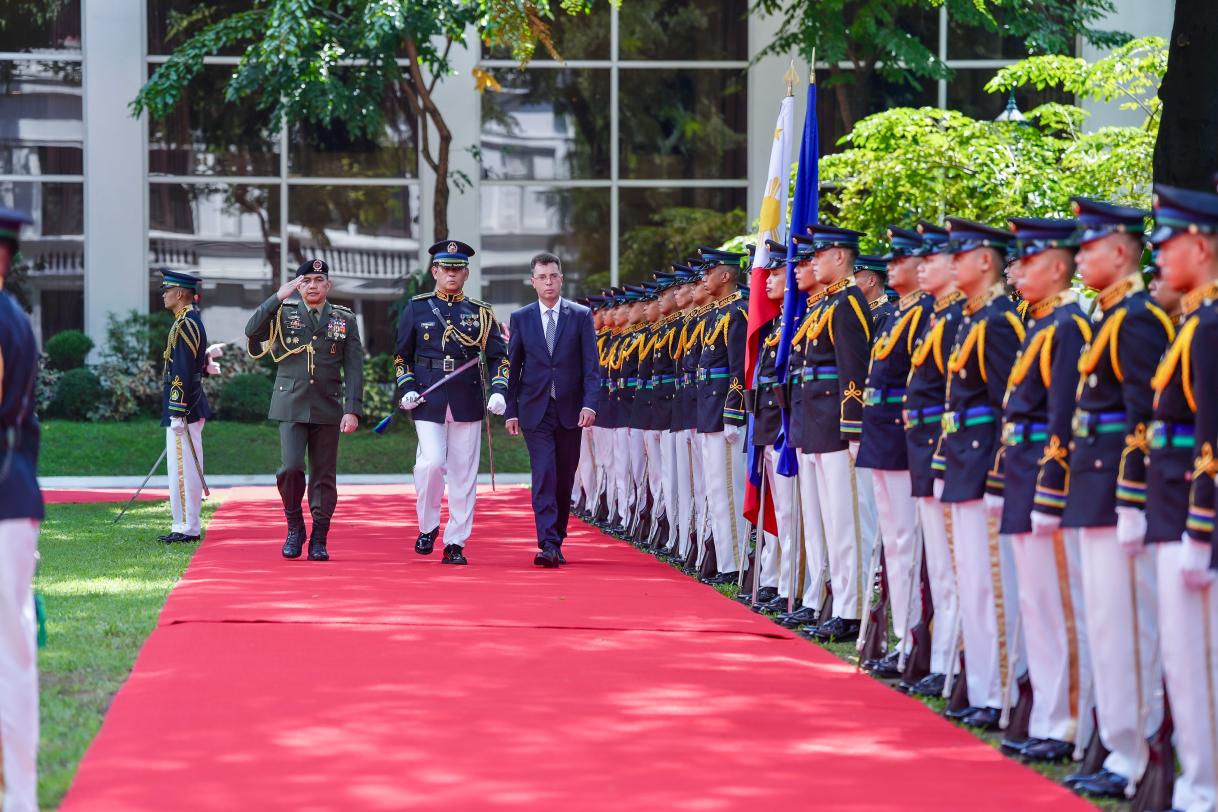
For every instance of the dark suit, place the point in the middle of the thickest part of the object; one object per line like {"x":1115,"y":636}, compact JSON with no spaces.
{"x":546,"y":393}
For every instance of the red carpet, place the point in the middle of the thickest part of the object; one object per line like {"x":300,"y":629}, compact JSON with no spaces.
{"x":66,"y":496}
{"x":383,"y":680}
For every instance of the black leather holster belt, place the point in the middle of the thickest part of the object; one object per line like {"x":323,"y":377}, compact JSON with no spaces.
{"x":448,"y":363}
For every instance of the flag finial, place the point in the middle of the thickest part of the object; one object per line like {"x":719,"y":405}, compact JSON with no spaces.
{"x":812,"y":68}
{"x":792,"y":76}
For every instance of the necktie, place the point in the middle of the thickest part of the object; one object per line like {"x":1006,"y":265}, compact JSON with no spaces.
{"x":313,"y":314}
{"x":551,"y":331}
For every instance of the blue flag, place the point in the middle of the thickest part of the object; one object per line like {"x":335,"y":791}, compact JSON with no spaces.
{"x":805,"y":209}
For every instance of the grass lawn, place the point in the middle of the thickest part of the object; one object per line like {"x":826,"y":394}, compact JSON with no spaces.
{"x":128,"y":449}
{"x":104,"y":586}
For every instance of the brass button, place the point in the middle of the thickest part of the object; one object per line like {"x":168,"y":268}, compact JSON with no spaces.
{"x":310,"y":380}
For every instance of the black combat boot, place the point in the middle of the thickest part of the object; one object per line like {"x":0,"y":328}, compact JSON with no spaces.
{"x":296,"y":534}
{"x":317,"y":543}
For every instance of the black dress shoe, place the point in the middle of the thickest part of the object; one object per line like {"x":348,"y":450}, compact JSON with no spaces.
{"x":1073,"y":778}
{"x":453,"y":554}
{"x":167,"y":537}
{"x":766,"y":594}
{"x":777,"y":604}
{"x":745,"y":597}
{"x":1014,"y":747}
{"x":800,"y":617}
{"x":547,"y":557}
{"x":561,"y":558}
{"x":1104,"y":784}
{"x":317,"y":545}
{"x":294,"y":541}
{"x":722,"y":578}
{"x":177,"y":538}
{"x":1047,"y":750}
{"x":426,"y":542}
{"x":960,"y":713}
{"x":983,"y":718}
{"x":837,"y":629}
{"x":884,"y":667}
{"x":930,"y":685}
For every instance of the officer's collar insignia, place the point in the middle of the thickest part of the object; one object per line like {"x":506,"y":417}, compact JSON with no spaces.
{"x":1194,"y":299}
{"x":450,"y":297}
{"x":948,"y":300}
{"x":839,"y":285}
{"x":1044,"y":308}
{"x":910,"y":299}
{"x":1118,"y":291}
{"x":876,"y":304}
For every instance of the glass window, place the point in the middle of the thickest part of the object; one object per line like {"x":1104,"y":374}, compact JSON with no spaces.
{"x":685,"y":30}
{"x":519,"y":222}
{"x":40,"y":118}
{"x":969,"y":36}
{"x":582,"y":36}
{"x":683,"y":124}
{"x":172,"y":22}
{"x":333,"y":152}
{"x":648,"y":223}
{"x":546,"y":125}
{"x":47,"y":25}
{"x":966,"y":93}
{"x":52,"y":263}
{"x":206,"y":135}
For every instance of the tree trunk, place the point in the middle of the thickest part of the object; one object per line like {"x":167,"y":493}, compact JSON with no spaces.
{"x":418,"y":94}
{"x":1186,"y":153}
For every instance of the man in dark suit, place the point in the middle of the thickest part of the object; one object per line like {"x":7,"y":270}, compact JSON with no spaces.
{"x":553,"y":386}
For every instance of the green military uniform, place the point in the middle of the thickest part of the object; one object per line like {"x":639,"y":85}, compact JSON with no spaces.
{"x":320,"y":378}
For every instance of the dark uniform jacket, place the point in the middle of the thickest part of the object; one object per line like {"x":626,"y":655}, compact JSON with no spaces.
{"x":644,"y":397}
{"x":721,"y":365}
{"x":836,"y":352}
{"x":926,"y":392}
{"x":989,"y":335}
{"x":767,"y":415}
{"x":882,"y":310}
{"x":321,"y":366}
{"x":882,"y":444}
{"x":438,"y":333}
{"x":20,"y":497}
{"x":800,"y":423}
{"x":1109,"y":445}
{"x":606,"y":415}
{"x":663,"y":381}
{"x":687,"y":352}
{"x":185,"y":368}
{"x":1033,"y":462}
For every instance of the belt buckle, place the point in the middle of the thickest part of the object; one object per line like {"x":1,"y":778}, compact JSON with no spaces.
{"x":1009,"y":432}
{"x":905,"y":418}
{"x":871,"y":397}
{"x":1078,"y":423}
{"x":1158,"y":435}
{"x":449,"y":364}
{"x":950,"y":422}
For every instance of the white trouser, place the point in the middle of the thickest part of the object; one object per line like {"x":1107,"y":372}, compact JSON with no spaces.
{"x":897,"y":515}
{"x":782,"y":493}
{"x":655,"y":471}
{"x":18,"y":666}
{"x":448,"y":452}
{"x":638,"y":468}
{"x":1122,"y":632}
{"x":937,"y":547}
{"x":585,"y":474}
{"x":1054,"y":631}
{"x":987,"y":589}
{"x":602,"y":445}
{"x":816,"y":556}
{"x":702,"y":525}
{"x":723,"y":467}
{"x":683,"y":472}
{"x":185,"y":485}
{"x":1188,"y":633}
{"x":847,"y":506}
{"x":623,"y":485}
{"x":674,"y":503}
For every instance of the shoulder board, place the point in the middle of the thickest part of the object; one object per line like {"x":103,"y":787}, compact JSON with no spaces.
{"x":427,"y":295}
{"x":478,"y":302}
{"x":342,"y":309}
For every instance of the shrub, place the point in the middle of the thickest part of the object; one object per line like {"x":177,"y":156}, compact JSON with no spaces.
{"x":246,"y":397}
{"x":46,"y":387}
{"x":78,"y":394}
{"x":67,"y":350}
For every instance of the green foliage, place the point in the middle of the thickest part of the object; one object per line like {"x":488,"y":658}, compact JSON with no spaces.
{"x":906,"y":164}
{"x":380,"y":387}
{"x":45,"y":387}
{"x":671,"y":237}
{"x":246,"y":397}
{"x":77,"y":395}
{"x":67,"y":350}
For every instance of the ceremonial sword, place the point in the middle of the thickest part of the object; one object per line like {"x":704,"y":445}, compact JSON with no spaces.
{"x":384,"y":424}
{"x":152,"y":471}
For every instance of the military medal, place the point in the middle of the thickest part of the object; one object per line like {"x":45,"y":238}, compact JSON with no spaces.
{"x":334,"y":349}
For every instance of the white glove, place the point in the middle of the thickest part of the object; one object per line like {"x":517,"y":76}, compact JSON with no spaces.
{"x":733,"y":434}
{"x":1045,"y":524}
{"x":1195,"y":564}
{"x":496,"y":404}
{"x":853,"y":447}
{"x":215,"y":351}
{"x":1131,"y":530}
{"x":993,"y":504}
{"x":178,"y":424}
{"x":213,"y":368}
{"x":411,"y":400}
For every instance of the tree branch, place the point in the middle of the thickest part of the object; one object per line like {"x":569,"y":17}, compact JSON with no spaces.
{"x":431,"y":88}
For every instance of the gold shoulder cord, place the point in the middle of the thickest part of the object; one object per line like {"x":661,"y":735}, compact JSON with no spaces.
{"x":276,"y":335}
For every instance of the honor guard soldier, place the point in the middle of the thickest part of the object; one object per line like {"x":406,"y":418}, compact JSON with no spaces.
{"x":584,"y":494}
{"x":184,"y":407}
{"x":608,"y":418}
{"x":1179,"y":506}
{"x":690,"y":498}
{"x":882,"y":442}
{"x":835,"y":372}
{"x":624,"y":366}
{"x":664,"y":393}
{"x":989,"y":335}
{"x":439,"y":332}
{"x":318,"y":393}
{"x":636,"y":393}
{"x":1036,"y":433}
{"x":721,"y":407}
{"x":925,"y":394}
{"x":21,"y":511}
{"x":871,"y":275}
{"x":1107,"y":493}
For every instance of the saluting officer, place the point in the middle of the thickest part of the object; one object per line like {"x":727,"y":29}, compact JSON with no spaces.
{"x":437,"y":333}
{"x":319,"y":392}
{"x":21,"y":512}
{"x":184,"y":407}
{"x":882,"y":442}
{"x":1108,"y":491}
{"x":1179,"y":507}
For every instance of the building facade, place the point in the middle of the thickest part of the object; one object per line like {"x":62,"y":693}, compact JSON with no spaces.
{"x":656,"y":104}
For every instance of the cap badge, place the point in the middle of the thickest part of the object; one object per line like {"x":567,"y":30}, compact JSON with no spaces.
{"x":452,"y":248}
{"x":317,"y":264}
